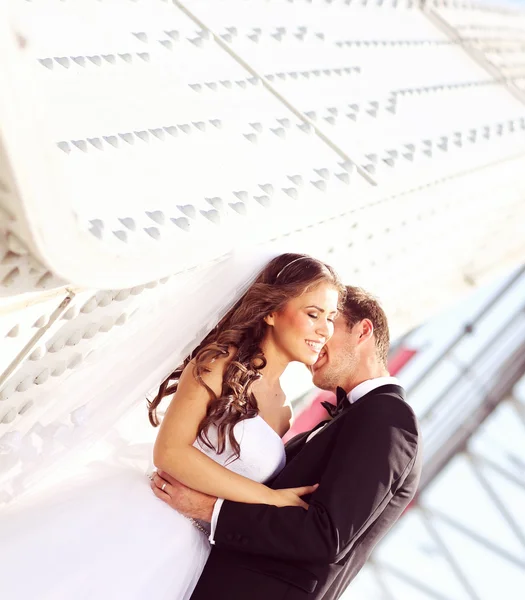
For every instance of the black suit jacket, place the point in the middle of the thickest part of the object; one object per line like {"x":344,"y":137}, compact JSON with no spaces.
{"x":367,"y":461}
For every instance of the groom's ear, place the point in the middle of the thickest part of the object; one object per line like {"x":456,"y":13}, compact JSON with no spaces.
{"x":366,"y":330}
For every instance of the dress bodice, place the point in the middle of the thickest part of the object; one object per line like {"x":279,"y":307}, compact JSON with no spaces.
{"x":262,"y":450}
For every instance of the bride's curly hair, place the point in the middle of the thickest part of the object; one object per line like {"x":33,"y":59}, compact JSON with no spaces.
{"x":242,"y":330}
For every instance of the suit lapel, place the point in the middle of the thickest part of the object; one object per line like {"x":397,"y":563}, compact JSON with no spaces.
{"x":299,"y":441}
{"x":296,"y":443}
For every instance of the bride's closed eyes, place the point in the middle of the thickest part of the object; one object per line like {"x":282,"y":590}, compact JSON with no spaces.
{"x":315,"y":314}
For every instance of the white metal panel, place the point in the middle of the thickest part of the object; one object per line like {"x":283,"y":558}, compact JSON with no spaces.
{"x":144,"y":160}
{"x":165,"y":134}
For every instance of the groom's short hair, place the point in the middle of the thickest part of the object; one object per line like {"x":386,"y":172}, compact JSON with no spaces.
{"x":359,"y":305}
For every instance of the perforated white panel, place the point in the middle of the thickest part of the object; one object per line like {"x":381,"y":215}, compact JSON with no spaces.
{"x":496,"y":33}
{"x":161,"y":149}
{"x":165,"y":133}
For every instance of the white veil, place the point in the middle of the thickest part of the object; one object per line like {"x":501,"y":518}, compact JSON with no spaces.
{"x":100,"y":409}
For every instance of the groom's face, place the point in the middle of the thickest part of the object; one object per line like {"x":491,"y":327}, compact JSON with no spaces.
{"x":338,"y":359}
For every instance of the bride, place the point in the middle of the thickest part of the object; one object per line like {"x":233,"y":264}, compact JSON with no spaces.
{"x":221,"y":435}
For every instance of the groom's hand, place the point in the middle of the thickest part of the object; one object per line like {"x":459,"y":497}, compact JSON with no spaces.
{"x":187,"y":501}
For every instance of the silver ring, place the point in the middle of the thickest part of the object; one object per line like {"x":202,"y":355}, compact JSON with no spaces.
{"x":163,"y":486}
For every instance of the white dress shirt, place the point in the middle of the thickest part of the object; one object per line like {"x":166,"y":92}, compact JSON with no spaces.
{"x":354,"y":395}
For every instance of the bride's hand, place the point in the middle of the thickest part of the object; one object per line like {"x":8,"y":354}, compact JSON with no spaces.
{"x":292,"y":496}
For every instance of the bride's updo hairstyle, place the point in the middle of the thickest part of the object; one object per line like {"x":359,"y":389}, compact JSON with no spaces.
{"x":286,"y":277}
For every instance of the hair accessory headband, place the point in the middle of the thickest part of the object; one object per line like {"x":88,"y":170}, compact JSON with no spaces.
{"x":291,"y":263}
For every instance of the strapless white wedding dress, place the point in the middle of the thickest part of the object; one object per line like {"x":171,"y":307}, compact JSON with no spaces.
{"x":110,"y":538}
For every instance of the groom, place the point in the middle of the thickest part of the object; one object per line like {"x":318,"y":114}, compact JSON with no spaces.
{"x":366,"y":459}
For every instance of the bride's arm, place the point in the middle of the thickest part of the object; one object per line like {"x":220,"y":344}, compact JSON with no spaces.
{"x":175,"y":454}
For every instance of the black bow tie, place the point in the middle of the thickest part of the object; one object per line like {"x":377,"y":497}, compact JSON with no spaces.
{"x":342,"y":402}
